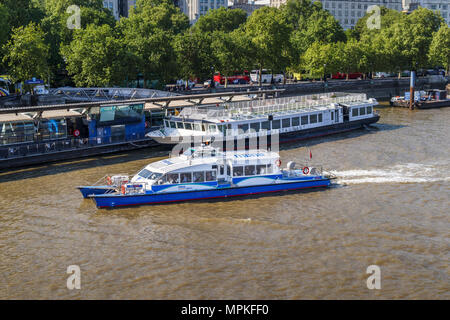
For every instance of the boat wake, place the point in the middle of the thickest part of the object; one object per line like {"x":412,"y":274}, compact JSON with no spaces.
{"x":402,"y":173}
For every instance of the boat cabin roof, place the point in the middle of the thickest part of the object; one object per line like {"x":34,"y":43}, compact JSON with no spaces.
{"x":209,"y":156}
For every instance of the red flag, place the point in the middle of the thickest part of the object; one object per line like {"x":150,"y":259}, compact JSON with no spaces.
{"x":310,"y":154}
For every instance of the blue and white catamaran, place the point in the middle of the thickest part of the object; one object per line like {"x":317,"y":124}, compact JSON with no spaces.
{"x":206,"y":173}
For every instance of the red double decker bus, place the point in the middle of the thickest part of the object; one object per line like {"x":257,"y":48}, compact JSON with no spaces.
{"x":237,"y":78}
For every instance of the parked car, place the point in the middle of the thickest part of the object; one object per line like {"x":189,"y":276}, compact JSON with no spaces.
{"x":382,"y":75}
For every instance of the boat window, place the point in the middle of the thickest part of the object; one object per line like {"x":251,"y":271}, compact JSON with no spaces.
{"x":172,"y":124}
{"x":204,"y":127}
{"x":354,"y":112}
{"x":250,"y":170}
{"x":261,"y":169}
{"x":185,"y":177}
{"x":313,"y":118}
{"x":179,"y":125}
{"x":238,"y":171}
{"x":276,"y":124}
{"x":167,"y":124}
{"x":197,"y":127}
{"x":221,"y":170}
{"x":147,"y":174}
{"x":243,"y":127}
{"x":295,"y":121}
{"x":265,"y":125}
{"x":199,"y":176}
{"x":362,"y":111}
{"x":228,"y":170}
{"x":320,"y":117}
{"x":212,"y":128}
{"x":304,"y":120}
{"x":332,"y":115}
{"x":210,"y":175}
{"x":188,"y":126}
{"x":269,"y":168}
{"x":286,"y":123}
{"x":369,"y":110}
{"x":221,"y":128}
{"x":255,"y":126}
{"x":173,"y":178}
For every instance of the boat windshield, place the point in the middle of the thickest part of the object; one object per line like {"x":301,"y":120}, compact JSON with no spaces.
{"x":147,"y":174}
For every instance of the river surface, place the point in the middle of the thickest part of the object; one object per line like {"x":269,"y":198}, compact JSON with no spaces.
{"x":390,"y":209}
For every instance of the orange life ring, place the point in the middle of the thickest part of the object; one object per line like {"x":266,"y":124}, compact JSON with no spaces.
{"x":278,"y":163}
{"x":305,"y":170}
{"x":123,"y":189}
{"x":109,"y":180}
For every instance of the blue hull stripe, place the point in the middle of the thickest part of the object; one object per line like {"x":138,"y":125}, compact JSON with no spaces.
{"x":105,"y":201}
{"x":89,"y":191}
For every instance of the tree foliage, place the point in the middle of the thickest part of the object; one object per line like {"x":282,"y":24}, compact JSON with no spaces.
{"x":95,"y":57}
{"x":439,"y":53}
{"x":26,"y":53}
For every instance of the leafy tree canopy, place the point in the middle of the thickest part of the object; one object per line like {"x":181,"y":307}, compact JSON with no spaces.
{"x":222,"y":19}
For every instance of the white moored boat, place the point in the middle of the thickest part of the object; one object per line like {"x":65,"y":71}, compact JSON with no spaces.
{"x":292,"y":118}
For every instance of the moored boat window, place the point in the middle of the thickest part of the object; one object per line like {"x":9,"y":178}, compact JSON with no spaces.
{"x":255,"y":126}
{"x":172,"y":124}
{"x":320,"y":117}
{"x":295,"y":121}
{"x":173,"y":178}
{"x":265,"y":125}
{"x":238,"y":171}
{"x":250,"y":170}
{"x":313,"y":118}
{"x":276,"y":124}
{"x":354,"y":112}
{"x":286,"y":122}
{"x":187,"y":126}
{"x":185,"y":177}
{"x":199,"y":176}
{"x":369,"y":110}
{"x":332,"y":115}
{"x":210,"y":175}
{"x":212,"y":128}
{"x":304,"y":120}
{"x":243,"y":127}
{"x":362,"y":111}
{"x":167,"y":124}
{"x":197,"y":127}
{"x":180,"y":125}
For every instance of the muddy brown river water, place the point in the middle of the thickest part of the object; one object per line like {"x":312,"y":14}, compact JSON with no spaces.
{"x":391,"y":209}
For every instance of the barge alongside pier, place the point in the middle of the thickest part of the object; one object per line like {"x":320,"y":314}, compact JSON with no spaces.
{"x":290,"y":119}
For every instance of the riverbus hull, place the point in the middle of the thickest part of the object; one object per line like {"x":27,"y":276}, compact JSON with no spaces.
{"x":89,"y":191}
{"x":222,"y":191}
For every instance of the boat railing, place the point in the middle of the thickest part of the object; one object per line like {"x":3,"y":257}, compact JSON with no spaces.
{"x":269,"y":106}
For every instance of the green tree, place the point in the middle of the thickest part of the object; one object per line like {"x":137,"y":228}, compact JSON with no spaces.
{"x":95,"y":57}
{"x":148,"y":35}
{"x":310,"y":23}
{"x":269,"y":39}
{"x":230,"y":52}
{"x":26,"y":53}
{"x":22,"y":12}
{"x":58,"y":34}
{"x":194,"y":55}
{"x":321,"y":58}
{"x":4,"y":30}
{"x":222,"y":19}
{"x":439,"y":53}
